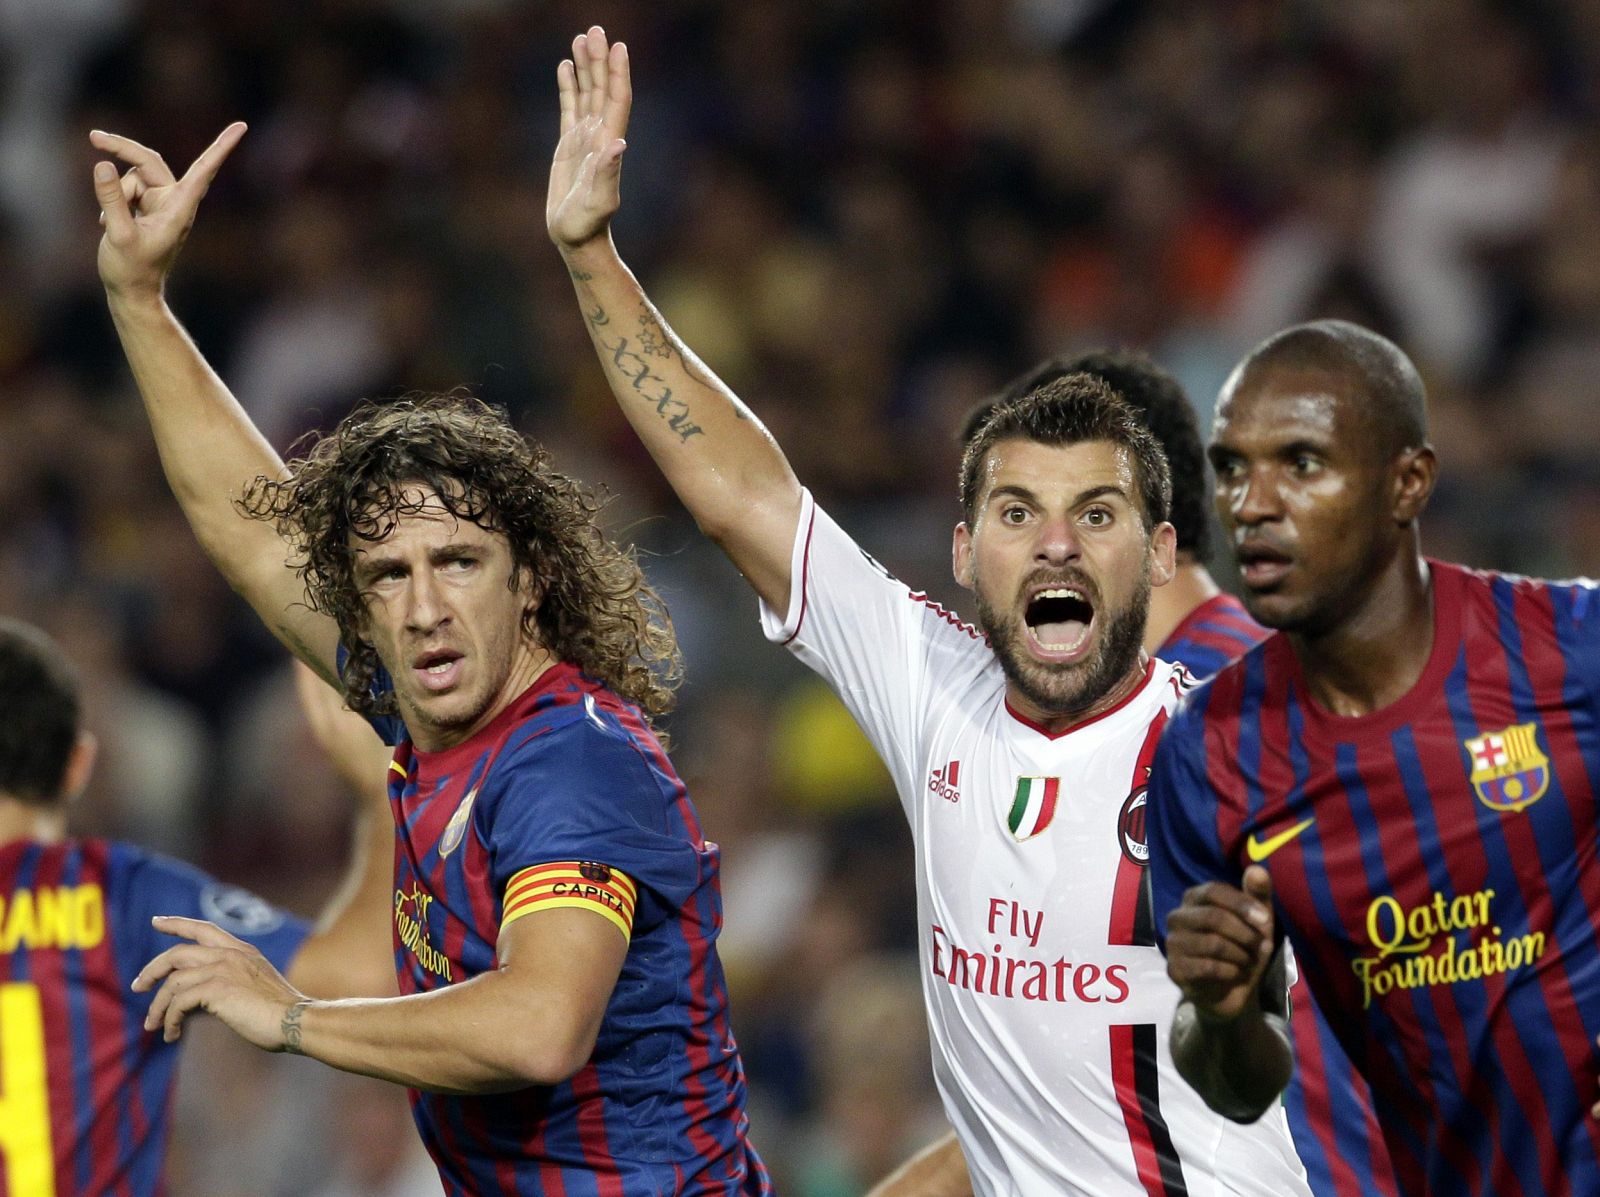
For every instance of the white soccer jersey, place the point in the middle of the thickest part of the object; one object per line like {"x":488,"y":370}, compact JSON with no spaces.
{"x":1048,"y":1003}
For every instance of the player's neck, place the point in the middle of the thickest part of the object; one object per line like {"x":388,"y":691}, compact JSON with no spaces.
{"x":1374,"y":657}
{"x":1171,"y":604}
{"x":22,"y":821}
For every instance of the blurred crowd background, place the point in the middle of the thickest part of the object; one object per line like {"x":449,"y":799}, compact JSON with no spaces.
{"x":866,"y":215}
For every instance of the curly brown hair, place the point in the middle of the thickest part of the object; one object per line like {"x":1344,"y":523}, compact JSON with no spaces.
{"x":597,"y":611}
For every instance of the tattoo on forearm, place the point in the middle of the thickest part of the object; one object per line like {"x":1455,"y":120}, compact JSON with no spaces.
{"x":582,"y":276}
{"x":652,"y":338}
{"x":291,"y":1027}
{"x":647,"y":384}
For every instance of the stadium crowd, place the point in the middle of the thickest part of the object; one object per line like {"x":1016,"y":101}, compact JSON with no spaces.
{"x":866,"y":217}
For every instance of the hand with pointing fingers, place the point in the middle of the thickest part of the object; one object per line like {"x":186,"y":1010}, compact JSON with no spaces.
{"x":147,"y":211}
{"x":224,"y":976}
{"x":596,"y":95}
{"x":1219,"y":943}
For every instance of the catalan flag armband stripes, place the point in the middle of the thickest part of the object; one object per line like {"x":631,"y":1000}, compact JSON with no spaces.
{"x":584,"y":884}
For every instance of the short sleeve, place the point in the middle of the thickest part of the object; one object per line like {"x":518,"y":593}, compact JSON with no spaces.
{"x":1185,"y":849}
{"x":1575,"y":611}
{"x":160,"y":886}
{"x":391,"y":729}
{"x":873,"y":639}
{"x":580,"y":810}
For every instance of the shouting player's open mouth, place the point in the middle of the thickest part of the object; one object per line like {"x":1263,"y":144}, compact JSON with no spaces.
{"x":438,"y":669}
{"x":1059,"y":620}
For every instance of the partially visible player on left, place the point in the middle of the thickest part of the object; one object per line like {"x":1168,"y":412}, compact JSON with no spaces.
{"x":85,"y":1091}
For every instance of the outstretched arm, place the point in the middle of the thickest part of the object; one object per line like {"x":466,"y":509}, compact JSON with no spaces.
{"x":721,"y":461}
{"x":351,"y":952}
{"x":532,"y":1020}
{"x":209,"y":449}
{"x":1230,"y":1036}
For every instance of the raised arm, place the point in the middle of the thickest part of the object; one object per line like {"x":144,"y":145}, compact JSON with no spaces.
{"x":721,"y":461}
{"x":351,"y":952}
{"x":209,"y":449}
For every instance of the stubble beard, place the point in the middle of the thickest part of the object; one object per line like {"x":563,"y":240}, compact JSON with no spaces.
{"x":1067,"y":690}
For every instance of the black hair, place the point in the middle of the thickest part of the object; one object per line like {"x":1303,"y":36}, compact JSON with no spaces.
{"x":1068,"y":411}
{"x":40,"y":710}
{"x":1159,"y":400}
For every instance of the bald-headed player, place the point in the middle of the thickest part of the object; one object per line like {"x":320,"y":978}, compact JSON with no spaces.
{"x":1402,"y":780}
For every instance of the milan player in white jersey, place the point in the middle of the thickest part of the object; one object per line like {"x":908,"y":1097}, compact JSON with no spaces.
{"x":1019,"y":751}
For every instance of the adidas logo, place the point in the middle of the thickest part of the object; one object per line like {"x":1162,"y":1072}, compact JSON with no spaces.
{"x":943,"y":782}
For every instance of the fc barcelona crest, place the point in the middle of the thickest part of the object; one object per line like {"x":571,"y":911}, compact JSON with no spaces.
{"x":1509,"y":772}
{"x":457,"y":827}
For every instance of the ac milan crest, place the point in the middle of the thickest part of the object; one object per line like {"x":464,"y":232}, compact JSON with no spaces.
{"x":1130,"y":829}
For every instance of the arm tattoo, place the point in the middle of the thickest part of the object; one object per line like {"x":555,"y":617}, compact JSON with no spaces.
{"x":652,"y":338}
{"x":290,"y":1027}
{"x":652,"y":388}
{"x":583,"y":276}
{"x":647,"y":384}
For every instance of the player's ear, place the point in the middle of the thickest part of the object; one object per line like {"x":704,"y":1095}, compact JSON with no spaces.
{"x":961,"y":555}
{"x":1163,"y":554}
{"x":1416,"y":471}
{"x":80,"y":766}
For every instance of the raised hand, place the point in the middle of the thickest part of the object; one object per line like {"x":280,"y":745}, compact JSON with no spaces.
{"x":226,"y":977}
{"x":147,"y":212}
{"x":1219,"y":943}
{"x":596,"y":94}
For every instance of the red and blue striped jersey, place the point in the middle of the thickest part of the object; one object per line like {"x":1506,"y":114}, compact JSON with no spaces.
{"x":1216,"y":633}
{"x":567,"y":797}
{"x":1434,"y":864}
{"x":85,"y":1091}
{"x":1327,"y":1102}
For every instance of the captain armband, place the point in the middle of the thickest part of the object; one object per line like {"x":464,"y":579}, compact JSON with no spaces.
{"x":581,"y":884}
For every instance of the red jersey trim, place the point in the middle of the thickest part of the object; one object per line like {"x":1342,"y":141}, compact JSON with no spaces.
{"x":805,"y":577}
{"x":1149,"y":672}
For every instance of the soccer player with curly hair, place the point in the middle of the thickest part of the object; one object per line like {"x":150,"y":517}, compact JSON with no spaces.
{"x":563,"y":1018}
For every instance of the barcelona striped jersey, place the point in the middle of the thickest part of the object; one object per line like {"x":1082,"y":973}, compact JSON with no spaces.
{"x":1433,"y":863}
{"x":1216,"y":633}
{"x":566,"y":799}
{"x":85,"y":1091}
{"x":1329,"y":1107}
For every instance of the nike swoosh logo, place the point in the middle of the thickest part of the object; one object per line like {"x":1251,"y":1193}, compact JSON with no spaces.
{"x":1259,"y":850}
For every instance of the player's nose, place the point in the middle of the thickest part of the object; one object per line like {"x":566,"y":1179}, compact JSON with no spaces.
{"x":1255,"y":497}
{"x":1057,"y":542}
{"x":425,"y":606}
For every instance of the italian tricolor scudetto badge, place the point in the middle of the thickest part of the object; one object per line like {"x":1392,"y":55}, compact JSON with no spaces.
{"x":1034,"y":806}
